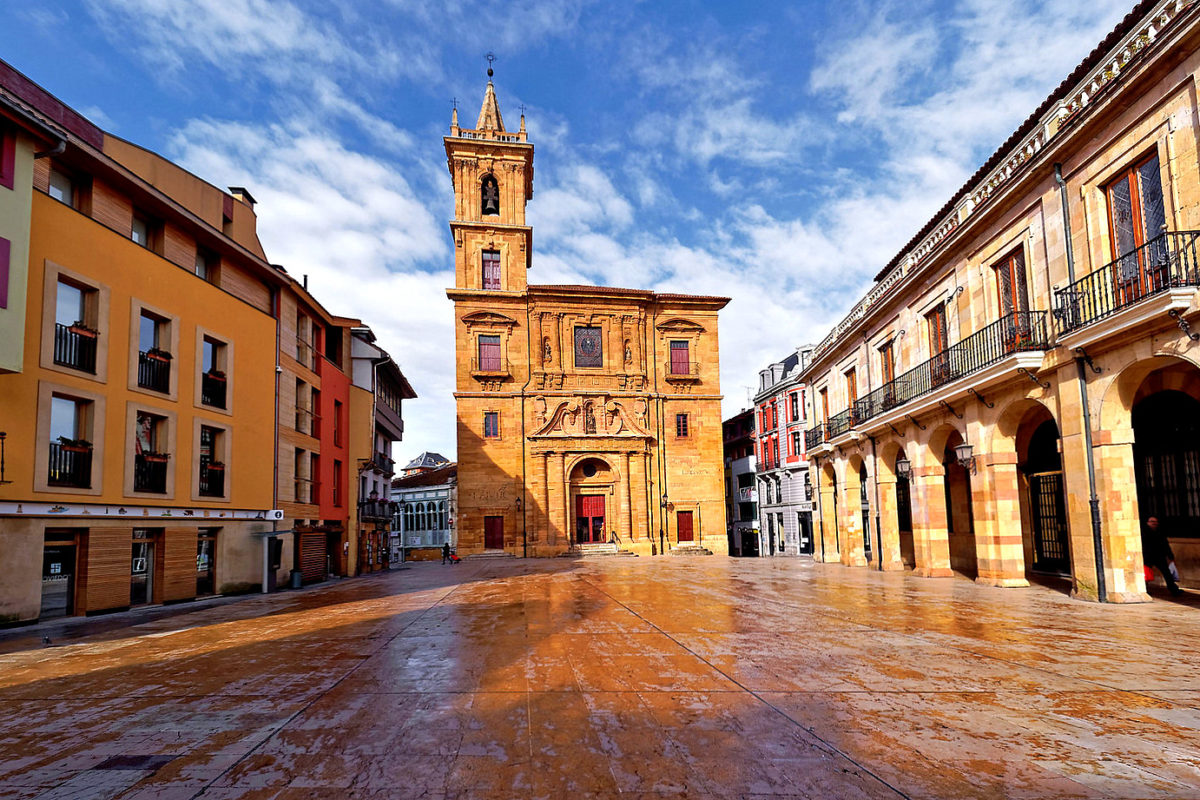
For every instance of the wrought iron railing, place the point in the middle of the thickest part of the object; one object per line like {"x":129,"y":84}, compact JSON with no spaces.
{"x":150,"y":473}
{"x":1166,"y":261}
{"x":212,"y":479}
{"x":816,"y":436}
{"x":154,"y":373}
{"x":212,"y":390}
{"x":376,"y":509}
{"x":74,"y":349}
{"x":1014,"y":333}
{"x":70,"y":465}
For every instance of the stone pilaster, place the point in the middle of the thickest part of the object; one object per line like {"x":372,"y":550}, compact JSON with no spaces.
{"x":996,"y":509}
{"x":931,"y":540}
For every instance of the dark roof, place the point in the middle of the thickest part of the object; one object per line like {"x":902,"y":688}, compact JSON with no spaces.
{"x":790,"y":362}
{"x":427,"y":460}
{"x":1079,"y":73}
{"x":48,"y":108}
{"x":433,"y":477}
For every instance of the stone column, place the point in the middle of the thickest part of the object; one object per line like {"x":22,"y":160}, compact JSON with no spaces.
{"x":996,"y":510}
{"x":850,"y":524}
{"x":541,"y":527}
{"x":554,"y":498}
{"x":1120,"y":523}
{"x":568,"y":519}
{"x":626,"y":528}
{"x":931,"y":540}
{"x":889,"y":522}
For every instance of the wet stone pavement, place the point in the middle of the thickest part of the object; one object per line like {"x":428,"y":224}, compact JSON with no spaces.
{"x":704,"y":677}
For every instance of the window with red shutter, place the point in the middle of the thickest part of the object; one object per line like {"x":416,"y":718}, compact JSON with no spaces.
{"x":489,"y":353}
{"x":681,"y":362}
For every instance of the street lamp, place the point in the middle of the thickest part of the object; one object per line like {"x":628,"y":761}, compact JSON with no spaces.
{"x":903,"y":466}
{"x":965,"y":459}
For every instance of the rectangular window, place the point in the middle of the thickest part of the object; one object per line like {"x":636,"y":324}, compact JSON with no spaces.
{"x":851,"y":389}
{"x":140,"y":231}
{"x":939,"y":367}
{"x":589,"y":347}
{"x":70,"y":448}
{"x":794,"y":399}
{"x":489,"y":354}
{"x":1011,"y":284}
{"x":8,"y":158}
{"x":300,"y":481}
{"x":824,"y":395}
{"x":796,"y":443}
{"x":154,"y":363}
{"x":681,"y":425}
{"x":314,"y":474}
{"x":491,"y":424}
{"x":5,"y":265}
{"x":74,"y":340}
{"x":303,"y":414}
{"x":1137,"y":218}
{"x":207,"y":264}
{"x":150,"y":458}
{"x":681,"y":363}
{"x":212,"y":468}
{"x":62,"y":188}
{"x":337,"y":423}
{"x":491,"y":269}
{"x":887,"y":362}
{"x":315,"y":413}
{"x":213,"y":381}
{"x":337,"y":483}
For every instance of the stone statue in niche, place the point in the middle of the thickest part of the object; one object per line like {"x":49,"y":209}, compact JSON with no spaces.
{"x":589,"y":418}
{"x":628,"y":353}
{"x":546,"y":353}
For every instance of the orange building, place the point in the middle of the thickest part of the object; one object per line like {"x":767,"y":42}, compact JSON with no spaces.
{"x":588,"y":417}
{"x":176,"y":410}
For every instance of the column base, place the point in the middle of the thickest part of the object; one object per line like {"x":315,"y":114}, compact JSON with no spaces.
{"x":855,"y":561}
{"x":828,"y":557}
{"x":893,"y":566}
{"x":1005,"y":583}
{"x":933,"y":572}
{"x":1129,"y":597}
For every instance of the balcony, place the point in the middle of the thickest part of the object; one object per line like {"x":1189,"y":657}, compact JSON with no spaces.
{"x":490,"y":369}
{"x":70,"y":464}
{"x":682,"y":373}
{"x":378,"y":510}
{"x":747,"y":494}
{"x":212,"y":479}
{"x":1023,"y":332}
{"x":75,"y":347}
{"x":154,"y":370}
{"x":1166,"y":268}
{"x":212,"y":389}
{"x":383,"y":464}
{"x":150,"y":473}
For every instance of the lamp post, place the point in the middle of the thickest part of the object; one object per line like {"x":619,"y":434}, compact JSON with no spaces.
{"x":963,"y":453}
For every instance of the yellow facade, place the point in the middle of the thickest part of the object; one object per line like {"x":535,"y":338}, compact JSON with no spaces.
{"x":575,"y":426}
{"x":1035,"y":355}
{"x":162,"y":487}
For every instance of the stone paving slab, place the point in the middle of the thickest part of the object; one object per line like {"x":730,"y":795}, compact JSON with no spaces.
{"x":630,"y":678}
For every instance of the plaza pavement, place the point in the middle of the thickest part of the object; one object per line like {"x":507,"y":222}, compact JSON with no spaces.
{"x":666,"y":677}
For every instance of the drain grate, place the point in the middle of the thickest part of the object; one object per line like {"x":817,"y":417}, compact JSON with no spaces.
{"x":151,"y":763}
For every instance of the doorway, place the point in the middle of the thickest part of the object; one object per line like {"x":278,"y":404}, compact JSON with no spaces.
{"x":1047,"y":502}
{"x":683,"y":526}
{"x":141,"y":570}
{"x":206,"y":562}
{"x":589,"y":519}
{"x":58,"y":580}
{"x":865,"y":506}
{"x":493,"y":533}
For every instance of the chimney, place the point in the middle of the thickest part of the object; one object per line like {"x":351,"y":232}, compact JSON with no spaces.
{"x":241,"y":193}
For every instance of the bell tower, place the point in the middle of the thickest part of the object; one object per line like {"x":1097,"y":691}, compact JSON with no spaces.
{"x":492,"y":172}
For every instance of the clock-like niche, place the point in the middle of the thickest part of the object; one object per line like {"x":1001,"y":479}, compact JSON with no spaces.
{"x":589,"y":347}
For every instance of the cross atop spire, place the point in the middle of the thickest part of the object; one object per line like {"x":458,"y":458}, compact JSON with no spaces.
{"x":489,"y":114}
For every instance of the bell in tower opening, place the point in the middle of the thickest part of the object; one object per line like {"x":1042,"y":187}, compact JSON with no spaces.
{"x":490,"y":194}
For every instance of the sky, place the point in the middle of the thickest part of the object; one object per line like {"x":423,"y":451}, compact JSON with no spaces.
{"x":778,"y":153}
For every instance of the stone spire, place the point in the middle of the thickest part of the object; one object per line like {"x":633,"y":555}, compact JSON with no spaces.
{"x":489,"y":114}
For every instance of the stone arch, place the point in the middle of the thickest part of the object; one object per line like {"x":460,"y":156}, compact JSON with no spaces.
{"x":895,"y":507}
{"x":591,"y":490}
{"x":957,"y":494}
{"x":489,"y":195}
{"x":831,"y":538}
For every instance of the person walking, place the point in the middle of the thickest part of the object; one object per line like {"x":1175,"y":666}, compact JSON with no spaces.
{"x":1156,"y":551}
{"x":445,"y":552}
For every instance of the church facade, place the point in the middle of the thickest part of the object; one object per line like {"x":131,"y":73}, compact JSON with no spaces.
{"x":588,"y":417}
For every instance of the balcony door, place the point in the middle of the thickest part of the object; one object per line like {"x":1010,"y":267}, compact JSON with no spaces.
{"x":939,"y":363}
{"x":1137,"y":220}
{"x":1014,"y":300}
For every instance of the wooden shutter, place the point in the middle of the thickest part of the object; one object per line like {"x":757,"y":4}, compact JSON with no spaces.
{"x":680,"y":360}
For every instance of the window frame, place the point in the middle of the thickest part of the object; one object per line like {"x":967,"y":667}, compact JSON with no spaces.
{"x":166,"y":438}
{"x":681,"y":425}
{"x":499,"y":365}
{"x":492,"y":417}
{"x":96,"y":312}
{"x":680,"y":346}
{"x":489,"y":257}
{"x":576,"y":330}
{"x":222,"y":452}
{"x":168,"y":343}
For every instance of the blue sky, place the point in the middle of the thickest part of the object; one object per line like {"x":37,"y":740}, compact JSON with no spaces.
{"x":777,"y":153}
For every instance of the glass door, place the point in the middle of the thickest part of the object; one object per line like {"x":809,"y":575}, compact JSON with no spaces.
{"x":141,"y":571}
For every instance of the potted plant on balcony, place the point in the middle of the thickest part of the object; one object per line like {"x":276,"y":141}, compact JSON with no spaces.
{"x":216,"y":375}
{"x":216,"y":466}
{"x":74,"y":445}
{"x":80,"y":329}
{"x":156,"y":458}
{"x":158,"y":355}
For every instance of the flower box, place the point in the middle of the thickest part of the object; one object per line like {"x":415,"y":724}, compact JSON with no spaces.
{"x":216,"y":466}
{"x":158,"y":355}
{"x":216,"y":375}
{"x":79,"y":329}
{"x":75,"y":445}
{"x":156,"y":458}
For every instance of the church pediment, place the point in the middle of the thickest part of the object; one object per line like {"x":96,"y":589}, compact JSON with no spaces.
{"x":488,"y":318}
{"x":590,"y":416}
{"x":680,"y":325}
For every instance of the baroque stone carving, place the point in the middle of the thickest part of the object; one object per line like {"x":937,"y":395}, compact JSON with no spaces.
{"x":601,"y":417}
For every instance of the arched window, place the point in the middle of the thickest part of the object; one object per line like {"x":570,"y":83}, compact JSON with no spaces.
{"x":489,"y":196}
{"x":431,"y":515}
{"x":420,"y":516}
{"x":442,"y":515}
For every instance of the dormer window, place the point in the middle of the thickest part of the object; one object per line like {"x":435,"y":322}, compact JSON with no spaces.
{"x":490,"y":196}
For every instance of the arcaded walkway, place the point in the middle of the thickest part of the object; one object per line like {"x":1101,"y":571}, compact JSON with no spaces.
{"x":619,"y":677}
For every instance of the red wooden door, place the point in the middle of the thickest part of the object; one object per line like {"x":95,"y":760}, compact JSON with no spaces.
{"x":493,"y":533}
{"x":589,"y":518}
{"x":684,"y":525}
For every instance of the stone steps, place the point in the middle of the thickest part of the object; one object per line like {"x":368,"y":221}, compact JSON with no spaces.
{"x":691,"y":550}
{"x":604,"y":549}
{"x":489,"y":554}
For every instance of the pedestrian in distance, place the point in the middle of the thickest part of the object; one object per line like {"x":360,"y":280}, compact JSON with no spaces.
{"x":1156,"y":552}
{"x":445,"y":552}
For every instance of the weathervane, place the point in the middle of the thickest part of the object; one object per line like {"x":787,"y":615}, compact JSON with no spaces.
{"x":491,"y":58}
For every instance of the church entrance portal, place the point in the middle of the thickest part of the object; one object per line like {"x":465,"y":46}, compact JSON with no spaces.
{"x":589,"y":519}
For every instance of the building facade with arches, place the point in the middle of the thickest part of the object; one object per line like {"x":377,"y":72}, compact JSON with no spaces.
{"x":1019,"y":390}
{"x":588,"y":417}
